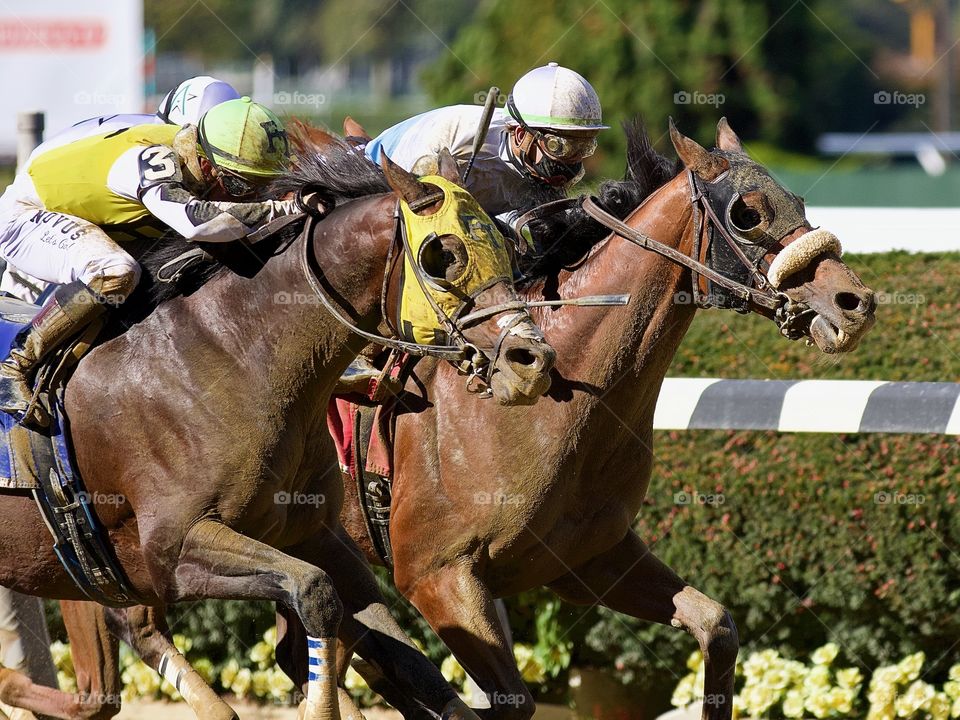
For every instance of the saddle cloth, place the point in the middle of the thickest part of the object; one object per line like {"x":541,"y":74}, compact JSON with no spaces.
{"x":42,"y":463}
{"x":363,"y":432}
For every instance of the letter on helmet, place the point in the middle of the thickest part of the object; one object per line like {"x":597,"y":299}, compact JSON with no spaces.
{"x":245,"y":137}
{"x":187,"y":103}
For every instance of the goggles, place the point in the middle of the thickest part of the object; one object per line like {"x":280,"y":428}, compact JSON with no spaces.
{"x":565,"y":148}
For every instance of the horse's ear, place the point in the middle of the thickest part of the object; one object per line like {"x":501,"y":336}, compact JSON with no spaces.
{"x":726,"y":138}
{"x":403,"y":183}
{"x":696,"y":157}
{"x":351,"y":128}
{"x":447,"y":167}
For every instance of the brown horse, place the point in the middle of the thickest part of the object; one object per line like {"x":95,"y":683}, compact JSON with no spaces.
{"x":489,"y":501}
{"x":196,"y":426}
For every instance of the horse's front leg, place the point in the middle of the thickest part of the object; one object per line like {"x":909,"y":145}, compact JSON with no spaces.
{"x":630,"y":579}
{"x":460,"y":608}
{"x":145,"y":630}
{"x":219,"y":563}
{"x":369,"y":630}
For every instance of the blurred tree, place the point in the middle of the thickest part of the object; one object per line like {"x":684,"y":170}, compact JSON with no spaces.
{"x":781,"y":72}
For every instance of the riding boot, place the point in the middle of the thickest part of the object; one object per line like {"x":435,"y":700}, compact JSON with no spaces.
{"x":361,"y":372}
{"x":71,"y":308}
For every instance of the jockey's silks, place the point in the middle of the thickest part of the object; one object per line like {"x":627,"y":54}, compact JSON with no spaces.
{"x":487,"y":260}
{"x":76,"y":178}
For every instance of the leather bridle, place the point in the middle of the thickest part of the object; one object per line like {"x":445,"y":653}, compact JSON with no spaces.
{"x":476,"y":363}
{"x":790,"y":316}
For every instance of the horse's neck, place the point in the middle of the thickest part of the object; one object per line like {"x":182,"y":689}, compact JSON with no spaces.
{"x":622,"y":354}
{"x":272,"y":326}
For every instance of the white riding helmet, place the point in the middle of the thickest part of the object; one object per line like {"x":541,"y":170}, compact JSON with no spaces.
{"x":557,"y":98}
{"x":187,"y":103}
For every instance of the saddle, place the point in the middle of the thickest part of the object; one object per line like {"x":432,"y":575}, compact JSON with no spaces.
{"x":41,"y":462}
{"x":363,"y":429}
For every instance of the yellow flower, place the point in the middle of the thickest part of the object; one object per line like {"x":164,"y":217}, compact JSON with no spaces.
{"x":262,"y":654}
{"x":182,"y":643}
{"x":914,"y":699}
{"x":910,"y":667}
{"x":955,"y":672}
{"x":354,"y":681}
{"x":818,"y":678}
{"x":531,"y":669}
{"x":452,"y":671}
{"x":229,"y":672}
{"x":260,"y":683}
{"x":241,"y":682}
{"x":758,"y":662}
{"x":776,"y":678}
{"x":955,"y":710}
{"x":204,"y":668}
{"x":818,"y":705}
{"x":683,"y":693}
{"x":952,"y":689}
{"x":826,"y":654}
{"x":793,"y":704}
{"x":696,"y":660}
{"x":270,"y":636}
{"x":849,"y":677}
{"x":939,"y":707}
{"x":280,"y":685}
{"x":758,"y":699}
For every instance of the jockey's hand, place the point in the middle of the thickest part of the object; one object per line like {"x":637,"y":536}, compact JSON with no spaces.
{"x":313,"y":201}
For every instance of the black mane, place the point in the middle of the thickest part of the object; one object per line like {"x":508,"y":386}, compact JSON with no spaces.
{"x":570,"y":235}
{"x":339,"y":172}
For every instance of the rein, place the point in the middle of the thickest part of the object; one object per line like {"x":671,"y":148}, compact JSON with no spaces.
{"x":787,"y":314}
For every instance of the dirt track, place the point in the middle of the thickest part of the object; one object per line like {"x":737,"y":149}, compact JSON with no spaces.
{"x":143,"y":710}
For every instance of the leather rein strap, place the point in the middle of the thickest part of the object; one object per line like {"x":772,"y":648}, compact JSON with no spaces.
{"x":764,"y":298}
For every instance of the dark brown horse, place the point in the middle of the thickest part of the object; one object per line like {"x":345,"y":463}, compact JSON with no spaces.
{"x":197,"y":427}
{"x":490,"y":501}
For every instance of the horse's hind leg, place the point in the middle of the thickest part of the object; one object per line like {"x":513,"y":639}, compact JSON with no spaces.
{"x":219,"y":563}
{"x":95,"y":656}
{"x":145,"y":630}
{"x":630,"y":579}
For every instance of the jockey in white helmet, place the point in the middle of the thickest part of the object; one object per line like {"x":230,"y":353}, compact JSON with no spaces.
{"x":532,"y":152}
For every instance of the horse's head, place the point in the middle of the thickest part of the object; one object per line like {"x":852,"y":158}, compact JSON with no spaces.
{"x":456,"y":286}
{"x":759,"y":237}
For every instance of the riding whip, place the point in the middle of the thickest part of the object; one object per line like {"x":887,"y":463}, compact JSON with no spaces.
{"x":488,"y":107}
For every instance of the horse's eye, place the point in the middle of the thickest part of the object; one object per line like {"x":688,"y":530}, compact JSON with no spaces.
{"x":743,"y":217}
{"x":443,"y":258}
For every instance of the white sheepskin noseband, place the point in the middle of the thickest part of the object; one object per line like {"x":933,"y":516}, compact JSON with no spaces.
{"x":800,"y":253}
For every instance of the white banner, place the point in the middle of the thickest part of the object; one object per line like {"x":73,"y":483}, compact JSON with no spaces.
{"x":72,"y":60}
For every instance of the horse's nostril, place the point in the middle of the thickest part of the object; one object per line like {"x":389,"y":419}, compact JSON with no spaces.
{"x":851,"y":302}
{"x":522,"y":356}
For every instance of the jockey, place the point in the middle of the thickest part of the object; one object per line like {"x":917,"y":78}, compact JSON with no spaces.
{"x":183,"y":105}
{"x":532,"y":153}
{"x":533,"y":150}
{"x":57,"y":218}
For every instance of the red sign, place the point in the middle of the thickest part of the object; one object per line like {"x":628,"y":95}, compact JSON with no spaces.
{"x":38,"y":34}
